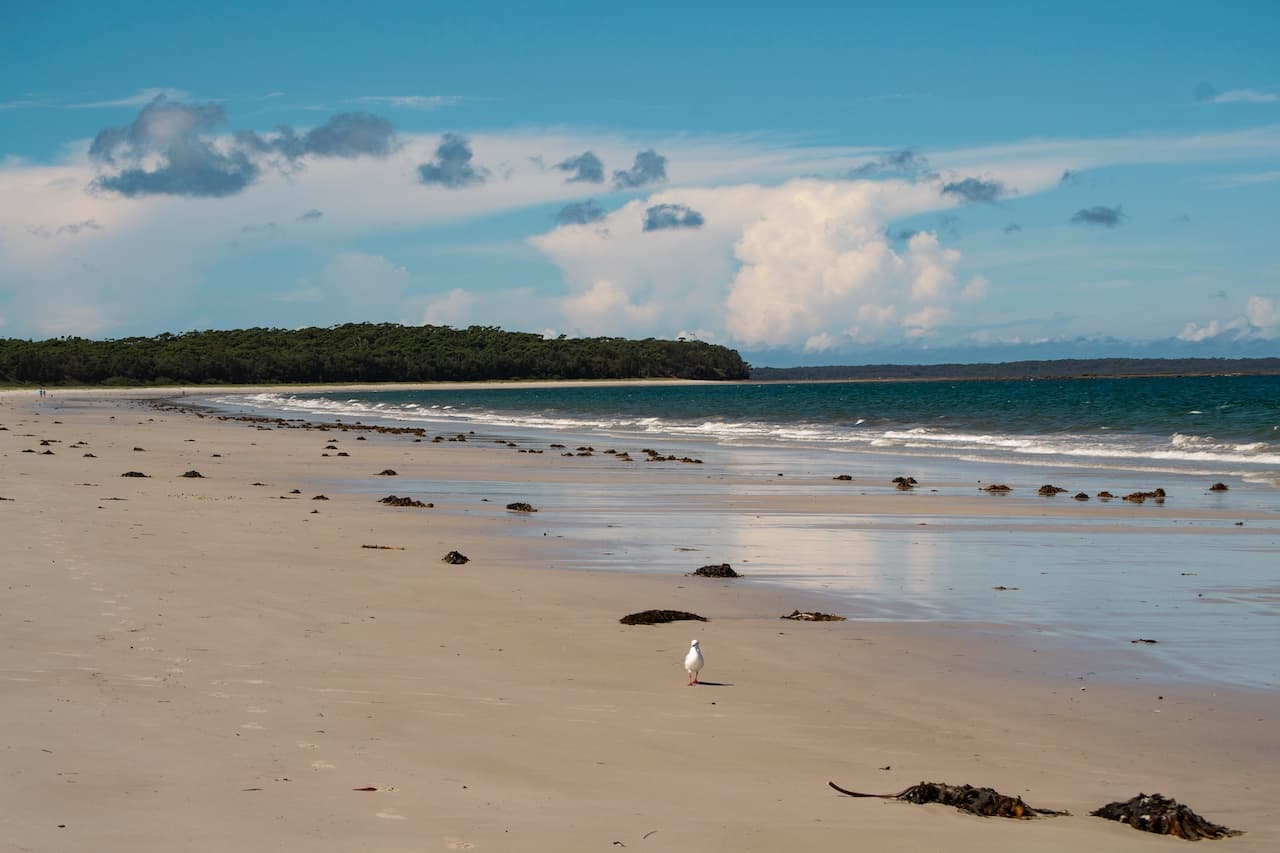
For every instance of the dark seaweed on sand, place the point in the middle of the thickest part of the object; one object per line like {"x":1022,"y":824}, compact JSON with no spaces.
{"x":1164,"y":816}
{"x":987,"y":802}
{"x":657,"y":617}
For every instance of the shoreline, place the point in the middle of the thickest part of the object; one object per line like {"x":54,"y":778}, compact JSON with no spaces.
{"x":952,"y":511}
{"x":176,"y":392}
{"x":205,"y":648}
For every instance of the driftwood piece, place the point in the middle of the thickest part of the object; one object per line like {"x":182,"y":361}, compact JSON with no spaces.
{"x":1163,"y":816}
{"x":812,"y":616}
{"x":987,"y":802}
{"x":658,"y":617}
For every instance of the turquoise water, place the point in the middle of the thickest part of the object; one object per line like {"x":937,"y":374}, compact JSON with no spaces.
{"x":1092,"y":577}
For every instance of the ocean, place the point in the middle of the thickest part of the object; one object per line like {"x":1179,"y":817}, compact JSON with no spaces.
{"x":1184,"y":572}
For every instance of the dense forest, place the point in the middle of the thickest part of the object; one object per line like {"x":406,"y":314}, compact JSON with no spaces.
{"x":354,"y":352}
{"x":1069,"y":368}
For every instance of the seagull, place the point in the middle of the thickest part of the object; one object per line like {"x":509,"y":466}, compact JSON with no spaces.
{"x":693,"y":662}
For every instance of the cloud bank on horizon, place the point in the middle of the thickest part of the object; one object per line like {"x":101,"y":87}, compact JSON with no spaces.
{"x":187,"y":213}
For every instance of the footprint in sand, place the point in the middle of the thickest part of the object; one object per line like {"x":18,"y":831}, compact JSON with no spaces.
{"x":302,"y":744}
{"x":251,"y":726}
{"x":390,"y":814}
{"x":457,"y":843}
{"x":254,"y":709}
{"x":321,"y":765}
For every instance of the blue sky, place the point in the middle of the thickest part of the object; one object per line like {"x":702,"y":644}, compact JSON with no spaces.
{"x":807,"y":183}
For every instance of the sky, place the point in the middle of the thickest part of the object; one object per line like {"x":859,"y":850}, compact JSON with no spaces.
{"x":807,"y":183}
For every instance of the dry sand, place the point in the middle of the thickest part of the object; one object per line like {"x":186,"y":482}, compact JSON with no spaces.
{"x":210,"y":665}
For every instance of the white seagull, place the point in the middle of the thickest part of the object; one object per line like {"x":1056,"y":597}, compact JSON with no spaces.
{"x":693,"y":662}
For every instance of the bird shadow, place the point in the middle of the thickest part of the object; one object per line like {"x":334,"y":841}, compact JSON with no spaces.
{"x":712,"y":684}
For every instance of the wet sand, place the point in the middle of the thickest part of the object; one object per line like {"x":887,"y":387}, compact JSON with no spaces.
{"x":208,"y":664}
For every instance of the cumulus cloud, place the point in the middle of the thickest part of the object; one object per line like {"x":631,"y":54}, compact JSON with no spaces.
{"x":163,"y":152}
{"x":904,"y":163}
{"x":1260,"y":321}
{"x":311,"y":215}
{"x":664,"y":216}
{"x":649,"y":167}
{"x":168,"y":149}
{"x":347,"y":135}
{"x":453,"y":309}
{"x":1207,"y":93}
{"x":586,"y":168}
{"x":974,"y":190}
{"x":580,"y":213}
{"x":452,"y":166}
{"x":1012,"y":228}
{"x":1099,"y":215}
{"x":805,"y":263}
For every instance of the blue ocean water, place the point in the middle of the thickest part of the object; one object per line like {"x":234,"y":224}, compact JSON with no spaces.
{"x":1226,"y":425}
{"x":1092,"y":576}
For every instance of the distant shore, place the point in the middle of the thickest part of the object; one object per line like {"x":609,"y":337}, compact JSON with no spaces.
{"x":1056,"y":369}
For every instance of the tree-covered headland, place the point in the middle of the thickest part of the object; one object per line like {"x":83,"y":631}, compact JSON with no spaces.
{"x":357,"y":352}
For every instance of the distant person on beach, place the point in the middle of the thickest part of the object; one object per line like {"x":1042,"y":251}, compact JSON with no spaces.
{"x":41,"y":390}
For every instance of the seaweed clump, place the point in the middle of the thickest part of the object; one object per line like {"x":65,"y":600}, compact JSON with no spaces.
{"x":812,"y":616}
{"x":1163,"y":816}
{"x":658,"y":617}
{"x":721,"y":570}
{"x":987,"y":802}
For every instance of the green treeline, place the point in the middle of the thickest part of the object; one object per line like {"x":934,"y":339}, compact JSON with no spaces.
{"x":357,"y":352}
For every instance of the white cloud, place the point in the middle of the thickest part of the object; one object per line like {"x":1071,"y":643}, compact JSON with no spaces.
{"x":412,"y":102}
{"x":976,"y":289}
{"x":779,"y":260}
{"x":455,"y":308}
{"x":821,"y":342}
{"x":1260,"y":321}
{"x":140,"y":98}
{"x":1247,"y":179}
{"x":803,"y":264}
{"x":1263,"y":314}
{"x":1246,"y":96}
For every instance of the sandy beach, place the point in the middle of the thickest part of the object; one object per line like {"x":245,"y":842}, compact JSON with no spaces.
{"x":221,"y":663}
